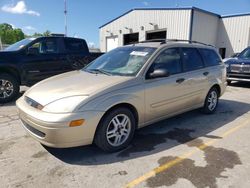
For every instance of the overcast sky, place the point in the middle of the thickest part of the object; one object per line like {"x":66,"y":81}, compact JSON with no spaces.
{"x":86,"y":16}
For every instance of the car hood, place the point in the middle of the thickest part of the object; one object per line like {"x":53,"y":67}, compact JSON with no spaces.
{"x":69,"y":84}
{"x":236,"y":60}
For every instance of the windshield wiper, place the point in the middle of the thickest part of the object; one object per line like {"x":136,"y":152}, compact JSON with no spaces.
{"x":99,"y":71}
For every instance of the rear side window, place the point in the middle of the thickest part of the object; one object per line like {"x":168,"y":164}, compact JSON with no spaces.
{"x":74,"y":45}
{"x":191,"y":59}
{"x":210,"y":57}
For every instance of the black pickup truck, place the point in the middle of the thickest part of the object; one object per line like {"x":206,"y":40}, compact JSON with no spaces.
{"x":34,"y":59}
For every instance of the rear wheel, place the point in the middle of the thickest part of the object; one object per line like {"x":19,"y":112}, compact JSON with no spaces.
{"x":115,"y":130}
{"x":9,"y":88}
{"x":211,"y":101}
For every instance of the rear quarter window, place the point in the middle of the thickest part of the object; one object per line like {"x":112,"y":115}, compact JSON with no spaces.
{"x":73,"y":45}
{"x":210,"y":57}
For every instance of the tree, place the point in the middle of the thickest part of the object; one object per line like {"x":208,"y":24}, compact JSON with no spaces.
{"x":47,"y":33}
{"x":9,"y":35}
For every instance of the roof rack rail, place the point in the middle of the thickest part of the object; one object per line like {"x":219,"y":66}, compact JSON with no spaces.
{"x":164,"y":41}
{"x":189,"y":41}
{"x":153,"y":40}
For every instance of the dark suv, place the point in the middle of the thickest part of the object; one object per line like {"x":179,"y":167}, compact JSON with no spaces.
{"x":34,"y":59}
{"x":238,"y":68}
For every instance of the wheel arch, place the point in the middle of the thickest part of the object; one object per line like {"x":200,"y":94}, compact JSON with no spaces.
{"x":217,"y":87}
{"x":11,"y":71}
{"x":121,"y":105}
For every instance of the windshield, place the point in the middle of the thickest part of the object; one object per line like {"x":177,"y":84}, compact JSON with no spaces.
{"x":124,"y":61}
{"x":19,"y":45}
{"x":245,"y":54}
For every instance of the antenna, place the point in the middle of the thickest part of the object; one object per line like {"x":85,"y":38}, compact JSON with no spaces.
{"x":65,"y":17}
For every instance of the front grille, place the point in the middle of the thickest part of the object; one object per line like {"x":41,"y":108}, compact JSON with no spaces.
{"x":33,"y":130}
{"x":240,"y":68}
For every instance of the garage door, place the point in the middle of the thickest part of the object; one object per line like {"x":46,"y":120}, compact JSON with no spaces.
{"x":156,"y":35}
{"x":112,"y":42}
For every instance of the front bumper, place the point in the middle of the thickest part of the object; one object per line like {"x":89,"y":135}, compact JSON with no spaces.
{"x":52,"y":129}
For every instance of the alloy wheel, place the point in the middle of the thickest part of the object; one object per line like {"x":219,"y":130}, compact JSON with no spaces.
{"x":118,"y":130}
{"x":212,"y":100}
{"x":6,"y":89}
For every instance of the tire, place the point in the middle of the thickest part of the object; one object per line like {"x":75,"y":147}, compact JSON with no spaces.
{"x":211,"y":101}
{"x":9,"y":88}
{"x":111,"y":125}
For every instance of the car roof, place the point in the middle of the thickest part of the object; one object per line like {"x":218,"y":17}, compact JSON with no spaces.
{"x":181,"y":43}
{"x":60,"y":37}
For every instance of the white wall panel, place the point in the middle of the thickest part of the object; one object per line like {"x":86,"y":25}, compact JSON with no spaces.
{"x":205,"y":27}
{"x":176,"y":22}
{"x":233,"y":34}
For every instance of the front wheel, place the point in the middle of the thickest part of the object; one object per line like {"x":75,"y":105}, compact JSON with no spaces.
{"x":115,"y":130}
{"x":211,"y":101}
{"x":9,"y":88}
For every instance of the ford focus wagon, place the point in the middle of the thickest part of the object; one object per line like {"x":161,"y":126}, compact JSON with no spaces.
{"x":123,"y":90}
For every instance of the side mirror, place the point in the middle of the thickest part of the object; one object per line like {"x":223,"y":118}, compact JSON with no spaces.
{"x":33,"y":51}
{"x":158,"y":73}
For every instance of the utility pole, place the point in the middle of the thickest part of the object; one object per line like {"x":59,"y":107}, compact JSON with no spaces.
{"x":1,"y":45}
{"x":65,"y":17}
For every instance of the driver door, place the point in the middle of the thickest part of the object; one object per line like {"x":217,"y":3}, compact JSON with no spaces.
{"x":165,"y":96}
{"x":44,"y":61}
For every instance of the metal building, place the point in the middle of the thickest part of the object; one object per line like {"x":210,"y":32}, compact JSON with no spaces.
{"x":230,"y":34}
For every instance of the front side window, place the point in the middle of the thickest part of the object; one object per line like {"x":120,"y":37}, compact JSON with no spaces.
{"x":191,"y":59}
{"x":170,"y":60}
{"x":210,"y":57}
{"x":124,"y":61}
{"x":46,"y":46}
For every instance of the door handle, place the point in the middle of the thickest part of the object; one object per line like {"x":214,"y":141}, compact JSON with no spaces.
{"x":180,"y":80}
{"x":205,"y":73}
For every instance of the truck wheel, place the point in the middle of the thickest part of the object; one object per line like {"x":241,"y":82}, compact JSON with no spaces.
{"x":9,"y":88}
{"x":115,"y":130}
{"x":211,"y":101}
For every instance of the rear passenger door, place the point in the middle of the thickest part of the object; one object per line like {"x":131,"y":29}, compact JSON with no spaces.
{"x":195,"y":75}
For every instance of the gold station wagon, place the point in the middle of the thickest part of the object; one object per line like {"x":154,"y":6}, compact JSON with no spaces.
{"x":123,"y":90}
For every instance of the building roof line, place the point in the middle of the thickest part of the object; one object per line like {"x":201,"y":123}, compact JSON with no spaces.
{"x":235,"y":15}
{"x":177,"y":8}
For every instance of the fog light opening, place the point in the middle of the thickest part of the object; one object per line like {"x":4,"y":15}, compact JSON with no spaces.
{"x":76,"y":123}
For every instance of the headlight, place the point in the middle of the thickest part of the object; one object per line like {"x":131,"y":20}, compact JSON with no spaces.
{"x":64,"y":105}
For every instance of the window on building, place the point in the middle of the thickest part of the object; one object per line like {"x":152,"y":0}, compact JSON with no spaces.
{"x":222,"y":52}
